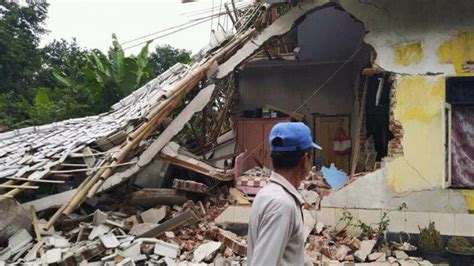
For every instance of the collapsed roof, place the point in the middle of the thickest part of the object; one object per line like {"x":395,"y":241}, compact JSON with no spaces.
{"x":131,"y":134}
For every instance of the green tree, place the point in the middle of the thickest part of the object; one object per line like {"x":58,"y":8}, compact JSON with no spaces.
{"x":165,"y":56}
{"x":63,"y":80}
{"x":20,"y":59}
{"x":107,"y":78}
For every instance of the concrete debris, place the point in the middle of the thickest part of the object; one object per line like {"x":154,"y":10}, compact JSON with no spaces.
{"x":127,"y":262}
{"x":165,"y":249}
{"x":20,"y":239}
{"x":99,"y":230}
{"x":164,"y":226}
{"x":109,"y":241}
{"x":189,"y":185}
{"x":206,"y":251}
{"x":341,"y":252}
{"x":140,"y":229}
{"x":377,"y":256}
{"x":52,"y":256}
{"x":99,"y":217}
{"x":13,"y":219}
{"x":399,"y":254}
{"x":113,"y":234}
{"x":319,"y":227}
{"x":365,"y":249}
{"x":154,"y":215}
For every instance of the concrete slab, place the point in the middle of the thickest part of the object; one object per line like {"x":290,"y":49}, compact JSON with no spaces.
{"x":234,"y":214}
{"x":109,"y":240}
{"x":165,"y":249}
{"x":365,"y":249}
{"x":20,"y":239}
{"x":52,"y":255}
{"x":142,"y":228}
{"x":205,"y":250}
{"x":154,"y":215}
{"x":14,"y":218}
{"x":99,"y":230}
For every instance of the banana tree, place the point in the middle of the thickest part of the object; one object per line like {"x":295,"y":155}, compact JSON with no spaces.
{"x":110,"y":77}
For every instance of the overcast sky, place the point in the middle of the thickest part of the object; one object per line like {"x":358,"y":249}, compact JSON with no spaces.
{"x":92,"y":22}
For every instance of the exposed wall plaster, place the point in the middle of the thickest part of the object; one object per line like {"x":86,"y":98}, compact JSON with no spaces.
{"x":394,"y":24}
{"x":407,"y":54}
{"x":457,"y":50}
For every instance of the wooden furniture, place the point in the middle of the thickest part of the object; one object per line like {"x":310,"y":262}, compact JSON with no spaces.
{"x":325,"y":128}
{"x":252,"y":136}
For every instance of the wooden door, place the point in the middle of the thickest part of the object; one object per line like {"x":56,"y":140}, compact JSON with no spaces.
{"x":326,"y":128}
{"x":267,"y":158}
{"x":250,"y":136}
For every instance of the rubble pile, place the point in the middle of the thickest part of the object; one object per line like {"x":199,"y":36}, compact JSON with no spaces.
{"x":131,"y":235}
{"x":348,"y":243}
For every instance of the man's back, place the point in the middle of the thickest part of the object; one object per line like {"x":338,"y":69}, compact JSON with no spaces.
{"x":276,"y":226}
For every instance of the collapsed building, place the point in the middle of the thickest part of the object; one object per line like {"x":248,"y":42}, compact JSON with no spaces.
{"x":385,"y":86}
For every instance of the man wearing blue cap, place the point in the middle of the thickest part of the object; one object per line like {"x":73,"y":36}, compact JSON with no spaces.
{"x":276,"y":228}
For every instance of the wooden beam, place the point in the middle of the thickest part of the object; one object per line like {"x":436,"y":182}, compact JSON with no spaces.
{"x":18,"y":186}
{"x":230,"y":15}
{"x":37,"y":229}
{"x":237,"y":20}
{"x":370,"y":71}
{"x":37,"y":181}
{"x":360,"y":118}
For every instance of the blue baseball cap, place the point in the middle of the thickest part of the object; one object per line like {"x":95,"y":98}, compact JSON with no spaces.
{"x":294,"y":136}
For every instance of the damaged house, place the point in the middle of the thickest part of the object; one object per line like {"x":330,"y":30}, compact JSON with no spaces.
{"x":396,"y":79}
{"x":387,"y":88}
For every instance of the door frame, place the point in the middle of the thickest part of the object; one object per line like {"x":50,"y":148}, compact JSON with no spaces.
{"x":318,"y":115}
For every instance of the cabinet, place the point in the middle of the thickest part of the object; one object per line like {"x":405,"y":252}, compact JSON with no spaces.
{"x":252,"y":136}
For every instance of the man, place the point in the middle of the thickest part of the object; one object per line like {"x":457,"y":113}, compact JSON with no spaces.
{"x":275,"y":235}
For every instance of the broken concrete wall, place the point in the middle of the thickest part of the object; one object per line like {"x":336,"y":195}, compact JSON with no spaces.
{"x":422,"y":43}
{"x":323,"y":49}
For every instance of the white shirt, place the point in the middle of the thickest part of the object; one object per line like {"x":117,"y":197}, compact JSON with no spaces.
{"x":276,"y":228}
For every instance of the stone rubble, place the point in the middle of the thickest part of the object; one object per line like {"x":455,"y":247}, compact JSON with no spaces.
{"x":187,"y":232}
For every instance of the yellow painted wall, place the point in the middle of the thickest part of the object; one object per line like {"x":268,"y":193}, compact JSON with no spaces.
{"x":457,"y":50}
{"x":407,"y":54}
{"x":420,"y":103}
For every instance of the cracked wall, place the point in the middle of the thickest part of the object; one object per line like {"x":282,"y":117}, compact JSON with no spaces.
{"x":422,"y":43}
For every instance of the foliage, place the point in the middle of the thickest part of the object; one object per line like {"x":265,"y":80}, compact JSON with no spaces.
{"x":165,"y":56}
{"x":460,"y":244}
{"x":20,"y":31}
{"x":63,"y":80}
{"x":430,"y":239}
{"x":108,"y":78}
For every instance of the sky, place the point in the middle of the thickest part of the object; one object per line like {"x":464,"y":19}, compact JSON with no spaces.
{"x":92,"y":22}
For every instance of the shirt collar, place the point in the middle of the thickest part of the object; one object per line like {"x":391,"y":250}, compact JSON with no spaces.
{"x":282,"y":181}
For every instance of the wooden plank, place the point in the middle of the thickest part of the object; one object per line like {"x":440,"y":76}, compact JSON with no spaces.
{"x":37,"y":181}
{"x":170,"y":154}
{"x":186,"y":218}
{"x":18,"y":186}
{"x":230,"y":15}
{"x":355,"y":154}
{"x":36,"y":229}
{"x":93,"y":168}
